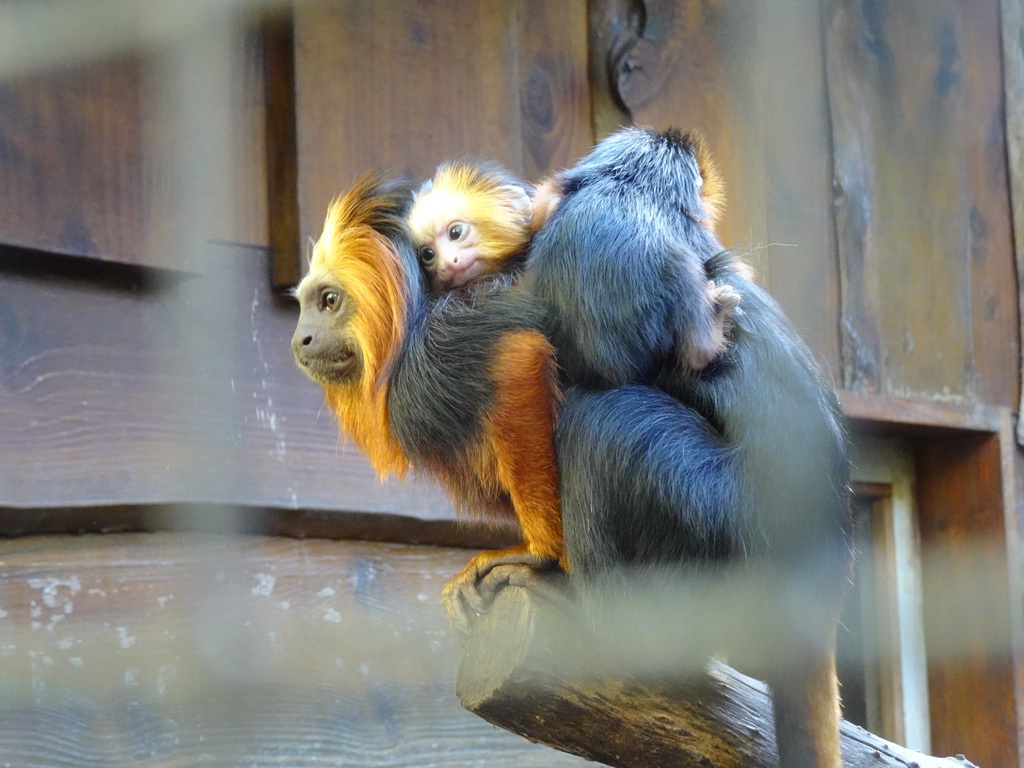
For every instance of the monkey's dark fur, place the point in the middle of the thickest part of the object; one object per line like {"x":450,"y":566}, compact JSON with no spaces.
{"x":743,"y":462}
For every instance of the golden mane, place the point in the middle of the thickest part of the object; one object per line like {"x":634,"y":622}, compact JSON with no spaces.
{"x":355,"y":253}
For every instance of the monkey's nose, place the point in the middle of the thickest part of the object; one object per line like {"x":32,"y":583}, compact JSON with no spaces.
{"x":300,"y":340}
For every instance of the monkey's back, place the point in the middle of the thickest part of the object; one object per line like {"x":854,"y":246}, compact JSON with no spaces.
{"x":769,"y":399}
{"x":444,"y":393}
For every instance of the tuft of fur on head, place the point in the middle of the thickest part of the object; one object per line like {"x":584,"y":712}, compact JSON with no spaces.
{"x":712,"y":190}
{"x":357,"y":253}
{"x":480,"y":192}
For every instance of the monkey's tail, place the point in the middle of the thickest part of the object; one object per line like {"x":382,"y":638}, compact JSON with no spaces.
{"x":807,"y":714}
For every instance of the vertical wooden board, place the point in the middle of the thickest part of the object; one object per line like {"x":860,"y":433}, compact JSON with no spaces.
{"x":405,"y":85}
{"x":799,"y":266}
{"x":78,"y":169}
{"x":286,"y":245}
{"x":995,"y":346}
{"x":970,"y":608}
{"x":553,"y":88}
{"x":71,"y":166}
{"x":170,"y":650}
{"x":1012,"y":17}
{"x":899,"y":115}
{"x":751,"y":78}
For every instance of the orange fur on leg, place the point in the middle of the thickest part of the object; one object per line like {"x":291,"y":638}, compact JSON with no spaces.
{"x":521,"y":428}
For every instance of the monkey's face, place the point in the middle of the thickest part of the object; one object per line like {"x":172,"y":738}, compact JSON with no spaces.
{"x":324,"y":345}
{"x":447,"y":241}
{"x":468,"y":220}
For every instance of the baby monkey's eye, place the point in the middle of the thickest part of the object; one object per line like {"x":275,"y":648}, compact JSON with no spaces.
{"x":329,"y":301}
{"x":456,"y":230}
{"x":427,"y":254}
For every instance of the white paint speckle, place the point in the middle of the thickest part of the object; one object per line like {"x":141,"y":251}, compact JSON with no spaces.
{"x":364,"y":668}
{"x":266,"y":416}
{"x":265,"y":585}
{"x":422,"y":598}
{"x":76,"y":661}
{"x":285,"y":604}
{"x":51,"y":586}
{"x":166,"y":673}
{"x":332,"y":616}
{"x":66,"y":644}
{"x":162,"y":601}
{"x":3,"y":613}
{"x":325,"y":592}
{"x":125,"y":638}
{"x":131,"y":676}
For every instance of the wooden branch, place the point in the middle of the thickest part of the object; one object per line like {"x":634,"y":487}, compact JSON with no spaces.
{"x":521,"y":669}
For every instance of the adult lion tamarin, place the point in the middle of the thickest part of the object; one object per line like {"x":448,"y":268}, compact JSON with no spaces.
{"x":459,"y":387}
{"x":669,"y":466}
{"x":606,"y":269}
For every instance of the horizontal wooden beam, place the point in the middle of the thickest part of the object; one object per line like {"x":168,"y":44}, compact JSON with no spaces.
{"x":888,"y":413}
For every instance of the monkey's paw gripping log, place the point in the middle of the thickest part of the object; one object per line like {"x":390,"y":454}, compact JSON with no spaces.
{"x":471,"y":591}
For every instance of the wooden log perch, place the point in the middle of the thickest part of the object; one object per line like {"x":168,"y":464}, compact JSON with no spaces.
{"x":520,"y":670}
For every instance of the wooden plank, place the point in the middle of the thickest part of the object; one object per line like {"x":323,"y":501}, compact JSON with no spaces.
{"x":896,"y":413}
{"x":100,"y":403}
{"x":170,"y":650}
{"x":65,"y":132}
{"x":751,"y":78}
{"x":971,"y":586}
{"x":1012,"y":18}
{"x":919,"y":193}
{"x":79,"y":162}
{"x":403,"y":86}
{"x":286,"y":242}
{"x":994,"y":375}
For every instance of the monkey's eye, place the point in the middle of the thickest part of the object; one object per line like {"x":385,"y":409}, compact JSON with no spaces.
{"x":456,"y":230}
{"x":427,"y":255}
{"x":329,"y":301}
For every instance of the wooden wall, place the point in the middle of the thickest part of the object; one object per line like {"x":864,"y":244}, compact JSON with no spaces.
{"x":146,"y":385}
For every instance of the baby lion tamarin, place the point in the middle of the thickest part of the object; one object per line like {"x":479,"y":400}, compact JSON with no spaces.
{"x":474,"y":218}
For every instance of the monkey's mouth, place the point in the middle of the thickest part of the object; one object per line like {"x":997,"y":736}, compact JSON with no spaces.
{"x":334,"y":369}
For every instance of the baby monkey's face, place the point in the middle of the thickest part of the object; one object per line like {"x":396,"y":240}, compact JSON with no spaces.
{"x":472,"y":219}
{"x":446,"y":240}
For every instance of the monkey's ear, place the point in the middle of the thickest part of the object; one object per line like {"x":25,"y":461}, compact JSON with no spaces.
{"x":712,"y":190}
{"x":518,"y":199}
